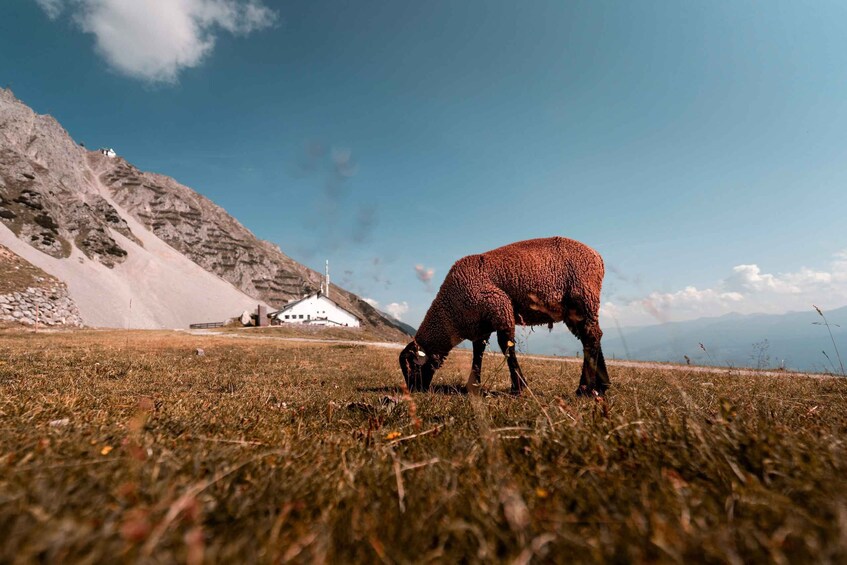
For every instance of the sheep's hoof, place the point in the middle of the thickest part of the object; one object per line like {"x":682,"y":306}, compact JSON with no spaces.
{"x":585,"y":392}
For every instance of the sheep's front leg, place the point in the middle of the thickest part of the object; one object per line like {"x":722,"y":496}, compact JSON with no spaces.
{"x":475,"y":376}
{"x":506,"y":340}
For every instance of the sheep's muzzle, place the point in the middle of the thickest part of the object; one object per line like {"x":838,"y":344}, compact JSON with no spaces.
{"x":417,"y":367}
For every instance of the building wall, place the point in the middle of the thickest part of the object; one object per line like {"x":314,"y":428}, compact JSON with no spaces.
{"x":317,"y":310}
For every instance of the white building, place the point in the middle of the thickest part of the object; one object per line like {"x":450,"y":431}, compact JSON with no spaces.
{"x":108,"y":152}
{"x":315,"y":309}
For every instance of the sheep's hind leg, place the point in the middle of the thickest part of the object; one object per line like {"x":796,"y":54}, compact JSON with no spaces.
{"x":475,"y":377}
{"x":506,"y":340}
{"x":594,"y":380}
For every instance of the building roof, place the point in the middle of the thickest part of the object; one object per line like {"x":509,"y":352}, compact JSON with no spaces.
{"x":290,"y":305}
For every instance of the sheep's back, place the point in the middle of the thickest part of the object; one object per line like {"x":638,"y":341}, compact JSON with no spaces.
{"x":541,"y":275}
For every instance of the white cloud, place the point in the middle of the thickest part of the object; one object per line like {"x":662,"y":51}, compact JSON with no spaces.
{"x":394,"y":309}
{"x":424,"y":275}
{"x":51,"y":7}
{"x":397,"y":309}
{"x":749,"y":278}
{"x":155,"y":40}
{"x":745,"y":290}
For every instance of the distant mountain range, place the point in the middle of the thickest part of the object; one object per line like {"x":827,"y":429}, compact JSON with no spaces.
{"x":137,"y":249}
{"x":792,"y":340}
{"x":406,"y":328}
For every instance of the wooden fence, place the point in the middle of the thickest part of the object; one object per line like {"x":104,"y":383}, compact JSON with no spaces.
{"x":207,"y":325}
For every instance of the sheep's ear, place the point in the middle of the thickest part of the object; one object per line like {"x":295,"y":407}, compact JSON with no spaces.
{"x":421,"y":357}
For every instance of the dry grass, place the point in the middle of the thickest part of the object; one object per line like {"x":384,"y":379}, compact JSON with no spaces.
{"x":363,"y":333}
{"x":121,"y":446}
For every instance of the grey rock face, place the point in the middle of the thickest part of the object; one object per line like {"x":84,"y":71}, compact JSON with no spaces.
{"x":47,"y":195}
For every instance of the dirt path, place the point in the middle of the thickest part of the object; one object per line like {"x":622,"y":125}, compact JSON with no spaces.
{"x":611,"y":363}
{"x":381,"y":344}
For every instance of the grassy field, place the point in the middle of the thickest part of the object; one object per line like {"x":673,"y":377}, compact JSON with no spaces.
{"x":130,"y":445}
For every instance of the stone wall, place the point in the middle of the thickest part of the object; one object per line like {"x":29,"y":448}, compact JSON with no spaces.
{"x":50,"y":306}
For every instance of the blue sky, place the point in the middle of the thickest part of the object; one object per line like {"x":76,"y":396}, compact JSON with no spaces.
{"x":699,"y":146}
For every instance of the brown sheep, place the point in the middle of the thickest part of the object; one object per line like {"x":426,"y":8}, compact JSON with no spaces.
{"x":533,"y":282}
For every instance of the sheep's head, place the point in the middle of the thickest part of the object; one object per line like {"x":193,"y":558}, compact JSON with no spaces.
{"x":418,"y":367}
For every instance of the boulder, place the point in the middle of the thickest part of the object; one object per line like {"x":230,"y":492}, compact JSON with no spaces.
{"x":245,"y":319}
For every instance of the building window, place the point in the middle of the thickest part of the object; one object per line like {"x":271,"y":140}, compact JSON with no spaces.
{"x":301,"y":316}
{"x":286,"y":316}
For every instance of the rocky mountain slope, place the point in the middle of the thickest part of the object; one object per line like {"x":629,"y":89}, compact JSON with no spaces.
{"x":48,"y":196}
{"x":81,"y":207}
{"x":209,"y":236}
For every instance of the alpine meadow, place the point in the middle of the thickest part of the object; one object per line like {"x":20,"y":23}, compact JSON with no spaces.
{"x":230,"y":447}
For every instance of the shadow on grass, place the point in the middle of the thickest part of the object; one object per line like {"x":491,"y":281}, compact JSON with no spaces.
{"x":438,"y":388}
{"x":381,"y":389}
{"x":449,"y":390}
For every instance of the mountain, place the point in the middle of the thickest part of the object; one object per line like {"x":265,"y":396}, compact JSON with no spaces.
{"x":794,"y":340}
{"x":402,"y":326}
{"x":137,"y":249}
{"x":791,"y":340}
